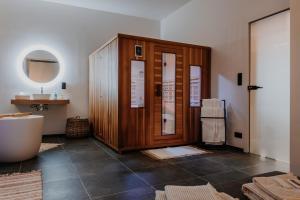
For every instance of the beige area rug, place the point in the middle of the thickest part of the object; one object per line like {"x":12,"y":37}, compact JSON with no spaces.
{"x":49,"y":146}
{"x":173,"y":152}
{"x":21,"y":186}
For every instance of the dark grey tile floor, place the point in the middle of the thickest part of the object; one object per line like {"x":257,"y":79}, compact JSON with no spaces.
{"x":85,"y":169}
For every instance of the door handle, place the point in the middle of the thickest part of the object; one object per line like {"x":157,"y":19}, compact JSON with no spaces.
{"x":158,"y":92}
{"x":254,"y":87}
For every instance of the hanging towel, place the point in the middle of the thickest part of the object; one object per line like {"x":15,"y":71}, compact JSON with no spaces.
{"x":213,"y":130}
{"x":212,"y":112}
{"x":208,"y":131}
{"x":220,"y":130}
{"x":215,"y":103}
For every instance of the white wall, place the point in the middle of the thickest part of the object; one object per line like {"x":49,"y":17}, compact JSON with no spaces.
{"x":74,"y":32}
{"x":223,"y":25}
{"x":295,"y":87}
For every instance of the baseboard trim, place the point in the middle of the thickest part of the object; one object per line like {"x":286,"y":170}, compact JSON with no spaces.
{"x":235,"y":148}
{"x":55,"y":135}
{"x":221,"y":147}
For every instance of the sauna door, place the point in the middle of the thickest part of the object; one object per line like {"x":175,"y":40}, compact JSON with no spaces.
{"x":168,"y":96}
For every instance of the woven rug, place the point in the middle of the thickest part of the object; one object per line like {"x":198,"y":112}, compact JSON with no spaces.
{"x":21,"y":186}
{"x":173,"y":152}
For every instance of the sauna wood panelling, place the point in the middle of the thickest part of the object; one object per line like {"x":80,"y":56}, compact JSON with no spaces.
{"x":131,"y":120}
{"x":198,"y":57}
{"x":103,"y":93}
{"x":124,"y":128}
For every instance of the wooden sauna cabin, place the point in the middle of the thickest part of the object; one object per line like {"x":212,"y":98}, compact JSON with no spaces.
{"x":145,"y":93}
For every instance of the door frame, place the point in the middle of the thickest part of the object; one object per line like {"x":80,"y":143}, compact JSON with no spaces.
{"x":249,"y":82}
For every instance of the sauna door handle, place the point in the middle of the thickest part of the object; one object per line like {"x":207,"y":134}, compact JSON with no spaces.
{"x":158,"y":91}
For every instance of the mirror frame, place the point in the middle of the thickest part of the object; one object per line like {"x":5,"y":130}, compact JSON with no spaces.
{"x":26,"y":79}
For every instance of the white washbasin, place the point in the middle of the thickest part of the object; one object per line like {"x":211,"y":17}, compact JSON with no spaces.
{"x":41,"y":96}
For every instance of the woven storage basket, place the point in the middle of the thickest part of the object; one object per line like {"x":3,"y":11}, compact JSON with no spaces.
{"x":77,"y":127}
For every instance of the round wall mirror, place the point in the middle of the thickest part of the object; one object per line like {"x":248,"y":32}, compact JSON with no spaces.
{"x":41,"y":66}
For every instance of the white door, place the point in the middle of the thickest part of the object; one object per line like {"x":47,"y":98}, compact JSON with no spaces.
{"x":270,"y":69}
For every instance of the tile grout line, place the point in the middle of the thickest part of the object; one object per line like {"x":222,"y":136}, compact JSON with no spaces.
{"x":114,"y":158}
{"x":80,"y":180}
{"x":201,"y":176}
{"x":148,"y":184}
{"x":217,"y":173}
{"x":96,"y":197}
{"x":125,"y":166}
{"x":173,"y":164}
{"x":116,"y":193}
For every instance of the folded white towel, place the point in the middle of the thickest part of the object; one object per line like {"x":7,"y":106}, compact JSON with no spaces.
{"x":204,"y":192}
{"x":272,"y":188}
{"x":255,"y":193}
{"x":278,"y":187}
{"x":160,"y":195}
{"x":294,"y":183}
{"x":190,"y":193}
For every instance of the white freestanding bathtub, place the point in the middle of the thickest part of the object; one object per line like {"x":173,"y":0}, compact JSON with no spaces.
{"x":20,"y":137}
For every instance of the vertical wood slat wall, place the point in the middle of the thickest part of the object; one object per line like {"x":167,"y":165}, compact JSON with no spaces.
{"x":124,"y":128}
{"x":103,"y":93}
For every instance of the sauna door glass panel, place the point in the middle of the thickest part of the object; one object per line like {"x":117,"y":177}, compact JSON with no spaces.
{"x":195,"y":86}
{"x":137,"y":83}
{"x":168,"y":94}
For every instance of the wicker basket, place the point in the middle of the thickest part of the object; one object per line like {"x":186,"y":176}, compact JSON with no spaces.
{"x":77,"y":127}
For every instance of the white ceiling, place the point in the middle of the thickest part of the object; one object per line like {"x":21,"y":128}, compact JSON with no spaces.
{"x":151,"y":9}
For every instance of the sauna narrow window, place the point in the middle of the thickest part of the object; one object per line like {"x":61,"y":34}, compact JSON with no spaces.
{"x":137,"y":83}
{"x":168,"y":94}
{"x":195,"y":86}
